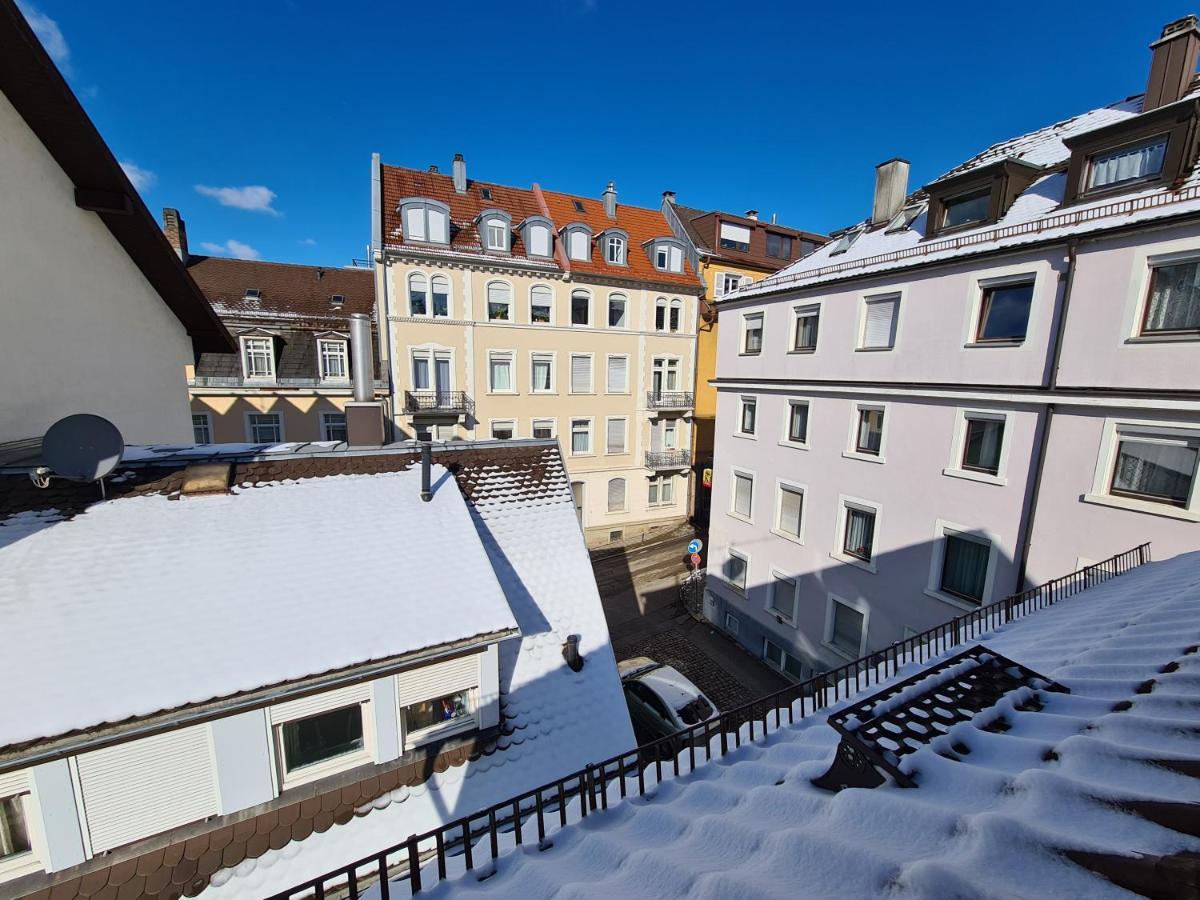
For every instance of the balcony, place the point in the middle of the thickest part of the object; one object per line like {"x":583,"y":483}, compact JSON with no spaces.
{"x":670,"y":400}
{"x":437,"y":404}
{"x":237,"y":381}
{"x":659,"y":460}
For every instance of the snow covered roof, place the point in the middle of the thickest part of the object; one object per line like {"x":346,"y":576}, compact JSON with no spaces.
{"x":1099,"y":783}
{"x":152,"y":601}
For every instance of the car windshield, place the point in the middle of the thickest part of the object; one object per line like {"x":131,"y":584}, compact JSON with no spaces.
{"x":695,"y":712}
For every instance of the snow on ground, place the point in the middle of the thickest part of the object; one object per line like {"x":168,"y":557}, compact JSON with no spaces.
{"x":751,"y":825}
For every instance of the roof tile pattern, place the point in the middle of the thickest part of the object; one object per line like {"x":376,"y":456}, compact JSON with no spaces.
{"x":285,"y":290}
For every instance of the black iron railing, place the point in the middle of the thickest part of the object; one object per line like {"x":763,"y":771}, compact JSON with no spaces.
{"x":668,"y":459}
{"x":589,"y":791}
{"x":237,"y":381}
{"x":437,"y":401}
{"x":670,"y":400}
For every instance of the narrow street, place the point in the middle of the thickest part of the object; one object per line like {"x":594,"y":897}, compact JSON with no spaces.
{"x":639,"y":588}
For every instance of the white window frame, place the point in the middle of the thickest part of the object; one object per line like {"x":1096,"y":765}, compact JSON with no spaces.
{"x":624,"y":420}
{"x":937,"y":557}
{"x":587,"y":244}
{"x":408,"y":292}
{"x":250,"y":430}
{"x":745,"y":558}
{"x":661,"y":305}
{"x":607,"y":372}
{"x":532,"y":288}
{"x":542,"y":421}
{"x":331,"y":702}
{"x":545,"y":229}
{"x":591,"y":389}
{"x":894,"y":297}
{"x":624,"y":507}
{"x":851,"y":451}
{"x":660,"y":481}
{"x":624,"y":299}
{"x":622,"y":246}
{"x":439,"y":730}
{"x":860,"y":606}
{"x":543,"y":356}
{"x":780,"y":666}
{"x":844,"y":502}
{"x":786,"y":439}
{"x":1172,"y":253}
{"x":958,"y":445}
{"x":501,"y":356}
{"x":721,"y":288}
{"x":431,"y":353}
{"x":1038,"y":273}
{"x":675,"y":316}
{"x":800,"y":311}
{"x":487,"y":312}
{"x":324,"y":424}
{"x":510,"y":423}
{"x":773,"y":575}
{"x":734,"y":472}
{"x":591,"y":319}
{"x":733,"y":624}
{"x":208,"y":425}
{"x":668,"y":365}
{"x":495,"y":222}
{"x":782,"y":484}
{"x":344,"y":352}
{"x":744,"y":401}
{"x":761,"y":316}
{"x":1106,"y":460}
{"x":19,"y":785}
{"x":591,"y":429}
{"x":270,"y":342}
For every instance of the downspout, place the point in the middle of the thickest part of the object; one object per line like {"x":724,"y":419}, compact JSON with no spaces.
{"x":1047,"y":417}
{"x":378,"y":257}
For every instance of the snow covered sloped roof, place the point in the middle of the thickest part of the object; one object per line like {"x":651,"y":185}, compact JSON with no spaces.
{"x":147,"y":603}
{"x":1087,"y":784}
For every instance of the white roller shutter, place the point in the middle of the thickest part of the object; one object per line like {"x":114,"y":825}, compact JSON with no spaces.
{"x":581,"y":374}
{"x":438,"y":679}
{"x":738,"y":233}
{"x":616,"y":436}
{"x":147,"y":786}
{"x":879,"y":326}
{"x":618,"y":374}
{"x":14,"y":783}
{"x":319,"y":703}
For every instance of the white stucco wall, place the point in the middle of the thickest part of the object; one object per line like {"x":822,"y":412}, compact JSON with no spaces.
{"x":82,"y":329}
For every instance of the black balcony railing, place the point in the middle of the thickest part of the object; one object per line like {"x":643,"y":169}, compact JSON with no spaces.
{"x":237,"y":381}
{"x":670,"y":400}
{"x":668,"y":459}
{"x":437,"y":401}
{"x":590,"y":790}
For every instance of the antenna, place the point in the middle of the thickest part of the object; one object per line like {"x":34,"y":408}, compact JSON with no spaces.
{"x":82,"y":447}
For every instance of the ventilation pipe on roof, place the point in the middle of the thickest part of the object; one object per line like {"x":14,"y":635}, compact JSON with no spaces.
{"x":752,"y":214}
{"x":610,"y":200}
{"x":571,"y":653}
{"x":426,"y":465}
{"x":433,"y":170}
{"x":176,"y":232}
{"x":1173,"y":64}
{"x":891,"y":187}
{"x":364,"y":414}
{"x":459,"y":170}
{"x":774,"y":218}
{"x":669,"y":196}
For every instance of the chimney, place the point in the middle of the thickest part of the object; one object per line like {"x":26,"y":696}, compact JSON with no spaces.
{"x":460,"y":174}
{"x":610,"y":201}
{"x":426,"y":464}
{"x":891,"y":187}
{"x":752,"y":214}
{"x":669,"y":197}
{"x":364,"y":414}
{"x":774,"y":218}
{"x":433,"y":170}
{"x":570,"y":652}
{"x":1173,"y":63}
{"x":176,"y":232}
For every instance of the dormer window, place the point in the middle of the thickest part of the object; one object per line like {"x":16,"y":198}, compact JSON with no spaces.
{"x":535,"y":232}
{"x":666,"y":254}
{"x":333,"y":358}
{"x":779,"y":245}
{"x":494,"y":230}
{"x":735,"y":237}
{"x":967,"y":209}
{"x":579,"y":242}
{"x":615,"y":244}
{"x":258,"y":357}
{"x":979,"y":196}
{"x":425,"y":221}
{"x":1140,"y":162}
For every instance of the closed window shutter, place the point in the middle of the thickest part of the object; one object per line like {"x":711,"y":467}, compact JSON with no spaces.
{"x":738,"y":233}
{"x":790,"y":504}
{"x":847,"y":628}
{"x":616,"y":436}
{"x":439,"y":679}
{"x":617,"y":369}
{"x":880,"y":327}
{"x":616,"y":494}
{"x":414,"y":223}
{"x":581,"y":374}
{"x":437,"y":226}
{"x":743,"y":489}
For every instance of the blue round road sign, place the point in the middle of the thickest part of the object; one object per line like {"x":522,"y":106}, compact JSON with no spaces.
{"x":695,"y":545}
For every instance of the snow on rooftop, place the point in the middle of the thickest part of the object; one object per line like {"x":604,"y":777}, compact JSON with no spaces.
{"x":146,"y":603}
{"x":990,"y":824}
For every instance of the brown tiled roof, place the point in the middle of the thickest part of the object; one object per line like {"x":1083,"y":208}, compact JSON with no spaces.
{"x":705,"y":228}
{"x":287,"y":290}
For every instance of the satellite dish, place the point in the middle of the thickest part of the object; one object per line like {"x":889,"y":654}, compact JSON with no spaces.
{"x":82,"y":447}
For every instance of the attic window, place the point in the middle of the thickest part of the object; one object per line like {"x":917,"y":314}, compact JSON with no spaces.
{"x":904,"y":219}
{"x":252,"y":294}
{"x":485,"y":193}
{"x":337,"y":300}
{"x":966,"y":208}
{"x":578,"y":205}
{"x":735,"y":237}
{"x":1138,"y":162}
{"x":846,"y":241}
{"x":425,"y":220}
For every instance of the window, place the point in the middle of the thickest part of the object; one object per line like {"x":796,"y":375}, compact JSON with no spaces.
{"x":1173,"y":306}
{"x":1155,"y":468}
{"x":539,"y":240}
{"x":320,"y":738}
{"x":418,"y":295}
{"x":664,"y":375}
{"x":789,"y":519}
{"x":982,"y":441}
{"x":779,"y":245}
{"x":441,"y":296}
{"x":334,"y":359}
{"x":845,"y":628}
{"x":497,"y":234}
{"x":660,"y":314}
{"x":14,"y":832}
{"x":797,"y":423}
{"x":846,"y":241}
{"x":736,"y":566}
{"x":499,"y":302}
{"x":441,"y":713}
{"x":752,"y":333}
{"x":732,"y":625}
{"x":858,"y":540}
{"x":749,"y":413}
{"x":542,"y":373}
{"x":666,"y":432}
{"x":728,"y":282}
{"x":617,"y":304}
{"x":579,"y":245}
{"x":201,"y":428}
{"x":781,"y":599}
{"x":541,"y":303}
{"x":1004,"y":313}
{"x":869,"y":433}
{"x":1139,"y":162}
{"x":662,"y":491}
{"x":964,"y":567}
{"x":805,"y":338}
{"x":616,"y":436}
{"x":500,"y":373}
{"x":966,"y":209}
{"x":581,"y":308}
{"x":504,"y":430}
{"x":734,"y":237}
{"x":616,"y":495}
{"x":578,"y":205}
{"x":485,"y":193}
{"x":780,"y":659}
{"x":879,"y":323}
{"x":264,"y":428}
{"x":676,"y":312}
{"x":436,"y":379}
{"x":614,"y":250}
{"x":543,"y":429}
{"x":618,"y":375}
{"x":426,"y":221}
{"x":743,"y":494}
{"x":333,"y":426}
{"x":581,"y":436}
{"x":667,"y":256}
{"x":258,"y":357}
{"x":661,"y":257}
{"x":581,"y":374}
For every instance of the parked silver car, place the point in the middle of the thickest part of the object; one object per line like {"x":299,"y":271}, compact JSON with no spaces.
{"x":661,"y":699}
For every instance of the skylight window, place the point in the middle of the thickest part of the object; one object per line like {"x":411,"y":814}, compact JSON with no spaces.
{"x":252,"y":294}
{"x":846,"y":241}
{"x":485,"y":193}
{"x":578,"y":206}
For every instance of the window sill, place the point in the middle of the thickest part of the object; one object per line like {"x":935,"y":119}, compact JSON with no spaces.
{"x":1143,"y":506}
{"x":439,"y":732}
{"x":781,"y":619}
{"x":740,"y":517}
{"x":582,"y":325}
{"x":854,"y":561}
{"x":839,"y":651}
{"x":1163,"y":339}
{"x":951,"y":600}
{"x":544,"y":393}
{"x":874,"y":349}
{"x":802,"y":351}
{"x":617,"y":512}
{"x":795,"y":445}
{"x":583,"y":455}
{"x":326,"y":768}
{"x":982,"y":477}
{"x":865,"y":457}
{"x":983,"y":345}
{"x":745,"y":437}
{"x":617,"y":453}
{"x":750,"y":353}
{"x":503,"y":394}
{"x":20,"y":864}
{"x":795,"y":539}
{"x":583,"y":393}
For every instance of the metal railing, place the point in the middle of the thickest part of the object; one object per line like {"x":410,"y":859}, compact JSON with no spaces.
{"x":437,"y":401}
{"x":670,"y":400}
{"x":589,"y":791}
{"x":668,"y":459}
{"x":237,"y":381}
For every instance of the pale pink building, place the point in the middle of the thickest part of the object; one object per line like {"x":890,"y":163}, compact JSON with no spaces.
{"x":985,"y":384}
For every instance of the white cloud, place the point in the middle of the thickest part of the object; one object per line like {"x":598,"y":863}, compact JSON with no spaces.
{"x":143,"y":179}
{"x":254,"y":197}
{"x":233,"y":248}
{"x":307,"y":242}
{"x":48,"y":33}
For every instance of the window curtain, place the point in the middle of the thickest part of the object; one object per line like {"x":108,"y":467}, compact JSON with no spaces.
{"x":541,"y":374}
{"x":13,"y":835}
{"x":501,"y":375}
{"x":1137,"y":162}
{"x":748,"y":409}
{"x":441,"y":296}
{"x":1156,"y":470}
{"x":964,"y":567}
{"x":983,"y":444}
{"x":860,"y":532}
{"x":579,"y":440}
{"x":870,"y":430}
{"x":1175,"y":302}
{"x":798,"y":430}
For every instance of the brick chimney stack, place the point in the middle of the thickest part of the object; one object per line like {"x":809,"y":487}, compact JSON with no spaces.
{"x":176,"y":232}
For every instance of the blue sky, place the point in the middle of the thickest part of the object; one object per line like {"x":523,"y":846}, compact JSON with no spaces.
{"x":258,"y":119}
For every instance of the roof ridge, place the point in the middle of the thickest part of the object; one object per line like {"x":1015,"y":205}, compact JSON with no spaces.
{"x":198,"y":257}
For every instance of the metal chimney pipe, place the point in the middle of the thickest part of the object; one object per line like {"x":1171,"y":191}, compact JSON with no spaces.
{"x":426,"y":463}
{"x":360,"y":358}
{"x":610,"y":200}
{"x":571,"y":653}
{"x":459,"y":173}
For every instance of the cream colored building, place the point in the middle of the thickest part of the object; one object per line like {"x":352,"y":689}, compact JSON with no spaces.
{"x":506,"y":319}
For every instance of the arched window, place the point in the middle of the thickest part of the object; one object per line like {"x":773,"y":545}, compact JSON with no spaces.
{"x":418,"y":295}
{"x":660,"y":314}
{"x":441,"y":296}
{"x":617,"y":306}
{"x":426,"y":221}
{"x":614,"y":250}
{"x":616,"y":494}
{"x":499,"y":302}
{"x":676,"y":312}
{"x":541,"y":304}
{"x":539,"y":240}
{"x":581,"y":308}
